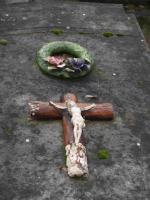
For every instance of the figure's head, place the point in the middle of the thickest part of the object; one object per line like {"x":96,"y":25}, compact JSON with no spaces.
{"x":69,"y":96}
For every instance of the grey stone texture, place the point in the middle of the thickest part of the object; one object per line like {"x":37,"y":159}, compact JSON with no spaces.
{"x":32,"y":152}
{"x":120,"y":1}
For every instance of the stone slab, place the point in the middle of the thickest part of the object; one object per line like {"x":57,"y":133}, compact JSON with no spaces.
{"x":120,"y":1}
{"x":32,"y":152}
{"x":17,"y":1}
{"x":85,"y":17}
{"x":31,"y":170}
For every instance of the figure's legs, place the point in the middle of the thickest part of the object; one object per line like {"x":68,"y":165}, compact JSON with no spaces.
{"x":75,"y":134}
{"x":78,"y":133}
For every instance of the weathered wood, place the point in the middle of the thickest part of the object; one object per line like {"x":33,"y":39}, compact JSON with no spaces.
{"x":42,"y":110}
{"x":68,"y":129}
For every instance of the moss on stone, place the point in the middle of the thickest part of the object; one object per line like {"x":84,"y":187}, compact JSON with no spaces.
{"x":3,"y":42}
{"x":7,"y":130}
{"x":108,"y":34}
{"x":57,"y":31}
{"x":140,"y":83}
{"x":103,"y":154}
{"x":23,"y":120}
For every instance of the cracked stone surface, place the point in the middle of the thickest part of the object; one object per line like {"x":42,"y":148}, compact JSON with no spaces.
{"x":32,"y":152}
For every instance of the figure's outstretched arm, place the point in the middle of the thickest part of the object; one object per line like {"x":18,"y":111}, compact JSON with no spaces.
{"x":57,"y":105}
{"x":88,"y":107}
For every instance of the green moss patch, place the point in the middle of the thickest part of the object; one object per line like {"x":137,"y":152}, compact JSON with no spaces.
{"x":3,"y":42}
{"x":103,"y":154}
{"x":7,"y":130}
{"x":57,"y":31}
{"x":108,"y":34}
{"x":140,"y":83}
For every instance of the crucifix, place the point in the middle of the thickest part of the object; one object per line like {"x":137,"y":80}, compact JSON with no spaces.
{"x":72,"y":113}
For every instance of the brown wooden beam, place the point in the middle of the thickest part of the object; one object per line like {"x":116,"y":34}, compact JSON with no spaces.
{"x":44,"y":111}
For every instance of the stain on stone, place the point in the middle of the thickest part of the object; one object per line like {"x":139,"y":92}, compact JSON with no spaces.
{"x":7,"y":162}
{"x":23,"y":121}
{"x":120,"y":34}
{"x":98,"y":73}
{"x":40,"y":149}
{"x":29,"y":190}
{"x":7,"y":130}
{"x":130,"y":118}
{"x":4,"y":188}
{"x":140,"y":83}
{"x":83,"y":33}
{"x":36,"y":130}
{"x":81,"y":178}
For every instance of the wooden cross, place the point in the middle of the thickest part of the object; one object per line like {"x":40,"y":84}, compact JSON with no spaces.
{"x":71,"y":112}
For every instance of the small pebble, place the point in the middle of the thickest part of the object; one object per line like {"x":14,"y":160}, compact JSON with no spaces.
{"x":7,"y":15}
{"x":138,"y":144}
{"x":129,"y":18}
{"x":27,"y":140}
{"x":33,"y":114}
{"x":24,"y":18}
{"x":68,"y":27}
{"x":83,"y":14}
{"x":142,"y":40}
{"x":114,"y":74}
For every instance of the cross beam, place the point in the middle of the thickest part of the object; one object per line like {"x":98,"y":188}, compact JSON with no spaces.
{"x":71,"y":112}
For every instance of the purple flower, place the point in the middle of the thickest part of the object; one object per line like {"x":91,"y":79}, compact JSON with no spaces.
{"x":78,"y":64}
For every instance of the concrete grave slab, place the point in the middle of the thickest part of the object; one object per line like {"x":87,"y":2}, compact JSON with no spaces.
{"x":83,"y":17}
{"x":17,"y":1}
{"x":32,"y":154}
{"x":121,"y":1}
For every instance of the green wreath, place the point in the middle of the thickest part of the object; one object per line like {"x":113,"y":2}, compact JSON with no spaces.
{"x":58,"y":47}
